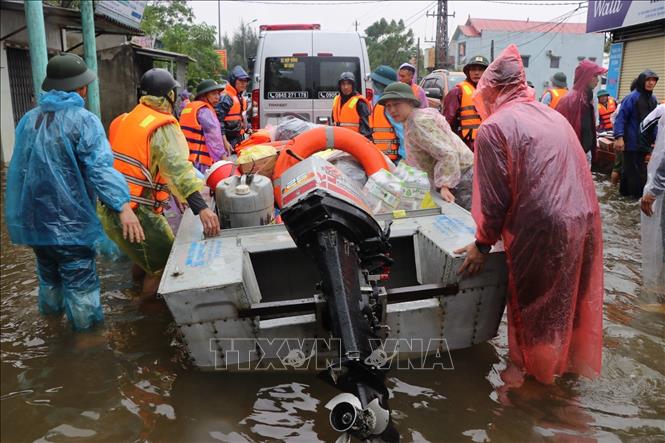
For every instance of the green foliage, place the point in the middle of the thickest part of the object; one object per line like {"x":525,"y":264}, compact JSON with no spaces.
{"x":234,"y":45}
{"x":172,"y":23}
{"x":71,"y":4}
{"x":389,"y":43}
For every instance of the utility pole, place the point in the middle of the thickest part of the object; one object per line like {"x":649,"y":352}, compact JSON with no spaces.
{"x":441,"y":45}
{"x":90,"y":54}
{"x":418,"y":60}
{"x":219,"y":24}
{"x":356,"y":23}
{"x":34,"y":17}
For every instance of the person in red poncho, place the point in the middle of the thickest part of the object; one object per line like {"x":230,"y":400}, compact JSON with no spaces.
{"x":533,"y":189}
{"x":579,"y":108}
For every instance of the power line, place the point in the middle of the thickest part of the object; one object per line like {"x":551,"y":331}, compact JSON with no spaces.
{"x":556,"y":25}
{"x":531,"y":29}
{"x":548,"y":43}
{"x":290,"y":3}
{"x":535,"y":3}
{"x":364,"y":18}
{"x":418,"y":13}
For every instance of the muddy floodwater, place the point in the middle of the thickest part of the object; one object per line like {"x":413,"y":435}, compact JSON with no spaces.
{"x":130,"y":380}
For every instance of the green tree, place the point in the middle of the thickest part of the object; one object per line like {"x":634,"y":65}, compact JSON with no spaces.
{"x":244,"y":40}
{"x":389,"y":43}
{"x":172,"y":23}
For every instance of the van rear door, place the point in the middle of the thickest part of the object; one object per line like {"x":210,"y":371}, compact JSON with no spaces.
{"x":332,"y":54}
{"x":325,"y":75}
{"x":285,"y":88}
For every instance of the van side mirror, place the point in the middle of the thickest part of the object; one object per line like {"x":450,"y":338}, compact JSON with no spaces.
{"x":434,"y":93}
{"x":251,"y":61}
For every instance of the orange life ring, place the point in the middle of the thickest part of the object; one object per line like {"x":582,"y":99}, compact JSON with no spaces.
{"x":323,"y":137}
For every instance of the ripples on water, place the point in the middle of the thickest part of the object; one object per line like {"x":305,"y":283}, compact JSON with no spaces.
{"x":130,"y":380}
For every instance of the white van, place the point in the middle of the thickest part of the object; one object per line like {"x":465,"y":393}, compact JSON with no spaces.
{"x":296,"y":71}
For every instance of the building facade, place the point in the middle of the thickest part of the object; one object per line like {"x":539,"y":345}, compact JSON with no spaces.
{"x":546,"y":47}
{"x":638,"y":41}
{"x":120,"y":63}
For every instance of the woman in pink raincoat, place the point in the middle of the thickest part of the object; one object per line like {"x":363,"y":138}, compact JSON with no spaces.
{"x":533,"y":189}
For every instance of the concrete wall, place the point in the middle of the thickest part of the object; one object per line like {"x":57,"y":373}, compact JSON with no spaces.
{"x":536,"y":45}
{"x":113,"y":102}
{"x":13,"y":20}
{"x":6,"y":110}
{"x":118,"y":82}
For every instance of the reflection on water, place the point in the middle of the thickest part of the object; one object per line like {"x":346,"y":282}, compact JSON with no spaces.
{"x":131,"y":381}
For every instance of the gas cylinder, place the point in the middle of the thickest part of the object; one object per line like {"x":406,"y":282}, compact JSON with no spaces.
{"x":244,"y":201}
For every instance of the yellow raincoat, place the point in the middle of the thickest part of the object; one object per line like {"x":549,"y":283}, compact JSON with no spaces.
{"x":169,"y":156}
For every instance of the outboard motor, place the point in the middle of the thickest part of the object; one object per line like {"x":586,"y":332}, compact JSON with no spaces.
{"x":328,"y":220}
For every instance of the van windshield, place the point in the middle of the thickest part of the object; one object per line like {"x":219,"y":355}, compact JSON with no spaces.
{"x":297,"y":78}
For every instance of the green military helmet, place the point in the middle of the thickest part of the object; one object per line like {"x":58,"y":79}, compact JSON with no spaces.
{"x":207,"y":86}
{"x":399,"y":91}
{"x":560,"y":80}
{"x":478,"y":60}
{"x":67,"y":72}
{"x":384,"y":75}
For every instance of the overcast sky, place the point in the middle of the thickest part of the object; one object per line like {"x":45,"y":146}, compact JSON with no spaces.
{"x":341,"y":15}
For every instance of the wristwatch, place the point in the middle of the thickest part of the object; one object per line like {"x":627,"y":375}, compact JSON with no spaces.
{"x":484,"y":249}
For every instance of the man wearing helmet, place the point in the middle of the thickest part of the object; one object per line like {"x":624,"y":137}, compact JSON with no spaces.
{"x":62,"y":164}
{"x":458,"y":107}
{"x":151,"y":152}
{"x":350,"y":109}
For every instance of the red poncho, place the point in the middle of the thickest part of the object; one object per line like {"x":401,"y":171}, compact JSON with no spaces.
{"x":577,"y":101}
{"x":533,"y":188}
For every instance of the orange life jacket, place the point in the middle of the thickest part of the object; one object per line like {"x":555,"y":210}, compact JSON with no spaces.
{"x":347,"y":115}
{"x":239,"y":106}
{"x":469,"y":119}
{"x":557,"y":94}
{"x":130,"y":135}
{"x":199,"y":154}
{"x":383,"y":133}
{"x":416,"y":90}
{"x":604,"y":113}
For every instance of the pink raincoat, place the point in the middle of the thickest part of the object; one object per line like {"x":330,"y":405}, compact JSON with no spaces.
{"x":533,"y":188}
{"x":577,"y":101}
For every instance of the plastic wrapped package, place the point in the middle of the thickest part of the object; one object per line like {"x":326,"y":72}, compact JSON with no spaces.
{"x":653,"y":227}
{"x":62,"y":163}
{"x":258,"y":159}
{"x":290,"y":127}
{"x":257,"y":137}
{"x":415,"y":186}
{"x":348,"y":165}
{"x":383,"y":192}
{"x":532,"y":187}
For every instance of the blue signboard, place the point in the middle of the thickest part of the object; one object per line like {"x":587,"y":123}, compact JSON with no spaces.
{"x":614,"y":69}
{"x":604,"y":15}
{"x":127,"y":12}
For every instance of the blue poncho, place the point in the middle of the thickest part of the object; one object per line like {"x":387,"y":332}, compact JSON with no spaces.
{"x":62,"y":162}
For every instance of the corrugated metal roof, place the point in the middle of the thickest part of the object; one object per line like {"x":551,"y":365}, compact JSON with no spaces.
{"x":475,"y":26}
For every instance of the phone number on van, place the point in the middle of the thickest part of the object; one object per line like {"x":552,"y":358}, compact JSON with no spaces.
{"x":287,"y":95}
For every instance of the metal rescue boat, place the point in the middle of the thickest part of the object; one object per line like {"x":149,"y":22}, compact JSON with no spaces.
{"x":333,"y":289}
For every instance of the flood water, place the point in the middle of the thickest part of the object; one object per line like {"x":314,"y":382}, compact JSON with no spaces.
{"x":131,"y":381}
